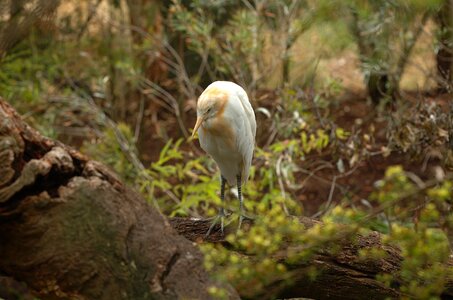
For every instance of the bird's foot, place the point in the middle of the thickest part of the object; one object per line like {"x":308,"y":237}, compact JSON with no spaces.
{"x":243,"y":217}
{"x":220,"y":217}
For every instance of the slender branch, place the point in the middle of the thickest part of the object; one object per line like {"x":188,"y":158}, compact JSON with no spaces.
{"x":138,"y":124}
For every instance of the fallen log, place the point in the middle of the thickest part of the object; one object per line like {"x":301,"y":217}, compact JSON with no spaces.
{"x":342,"y":274}
{"x":70,"y":229}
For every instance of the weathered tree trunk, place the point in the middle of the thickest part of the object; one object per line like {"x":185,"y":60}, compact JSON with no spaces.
{"x":343,"y":275}
{"x":383,"y":82}
{"x":69,"y":229}
{"x":377,"y":82}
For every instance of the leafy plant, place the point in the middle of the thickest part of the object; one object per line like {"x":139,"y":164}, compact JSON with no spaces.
{"x":189,"y":181}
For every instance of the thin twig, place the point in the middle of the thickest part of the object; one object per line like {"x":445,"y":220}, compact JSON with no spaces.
{"x":280,"y":183}
{"x":329,"y":201}
{"x":138,"y":124}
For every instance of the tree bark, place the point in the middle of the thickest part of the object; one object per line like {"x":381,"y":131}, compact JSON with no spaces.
{"x":343,"y":275}
{"x":69,"y":229}
{"x":377,"y":82}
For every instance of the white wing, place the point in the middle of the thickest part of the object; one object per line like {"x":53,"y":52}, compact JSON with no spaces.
{"x":249,"y":111}
{"x":246,"y":125}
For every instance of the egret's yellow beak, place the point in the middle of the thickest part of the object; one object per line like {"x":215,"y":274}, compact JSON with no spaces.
{"x":197,"y":125}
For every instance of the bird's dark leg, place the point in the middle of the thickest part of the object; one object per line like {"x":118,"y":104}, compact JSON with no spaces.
{"x":221,"y":214}
{"x":241,"y":202}
{"x":242,"y":215}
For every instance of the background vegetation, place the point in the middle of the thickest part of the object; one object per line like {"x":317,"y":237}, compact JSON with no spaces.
{"x":353,"y":104}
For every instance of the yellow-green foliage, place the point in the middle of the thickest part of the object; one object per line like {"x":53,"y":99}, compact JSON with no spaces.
{"x":394,"y":185}
{"x":424,"y":245}
{"x":189,"y":180}
{"x":425,"y":252}
{"x":442,"y":192}
{"x":318,"y":141}
{"x":271,"y":233}
{"x":262,"y":255}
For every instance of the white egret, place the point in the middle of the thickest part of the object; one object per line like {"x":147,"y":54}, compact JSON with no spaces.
{"x":226,"y":128}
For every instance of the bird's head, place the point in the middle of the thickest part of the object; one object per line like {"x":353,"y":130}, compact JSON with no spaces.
{"x":209,"y":106}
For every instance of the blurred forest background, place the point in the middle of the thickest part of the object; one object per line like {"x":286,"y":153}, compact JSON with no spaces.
{"x":353,"y":101}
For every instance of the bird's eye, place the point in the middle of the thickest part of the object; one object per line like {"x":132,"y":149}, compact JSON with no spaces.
{"x":209,"y":110}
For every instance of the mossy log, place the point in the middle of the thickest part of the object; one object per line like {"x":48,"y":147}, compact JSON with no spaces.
{"x":69,"y":229}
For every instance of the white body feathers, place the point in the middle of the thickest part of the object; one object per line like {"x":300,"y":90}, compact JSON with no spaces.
{"x":229,"y":137}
